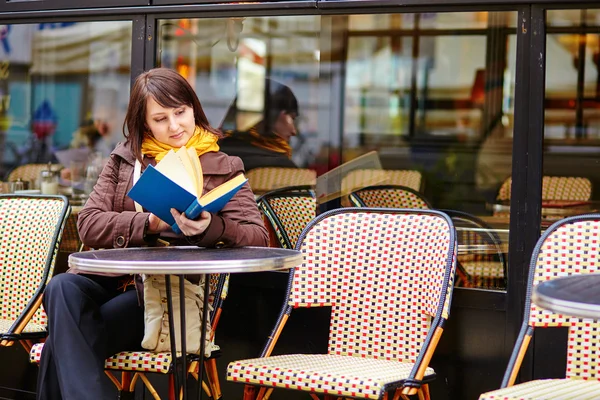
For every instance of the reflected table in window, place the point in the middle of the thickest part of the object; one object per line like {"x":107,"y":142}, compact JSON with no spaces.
{"x":181,"y":261}
{"x":575,"y":295}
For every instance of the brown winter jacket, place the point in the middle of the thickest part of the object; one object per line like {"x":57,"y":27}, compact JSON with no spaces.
{"x":109,"y":219}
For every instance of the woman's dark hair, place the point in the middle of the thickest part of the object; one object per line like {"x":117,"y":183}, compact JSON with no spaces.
{"x":280,"y":98}
{"x":167,"y":88}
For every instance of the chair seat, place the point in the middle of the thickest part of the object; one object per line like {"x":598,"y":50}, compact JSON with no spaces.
{"x":343,"y":376}
{"x":31,"y":327}
{"x":487,"y":269}
{"x":548,"y":389}
{"x":136,"y":361}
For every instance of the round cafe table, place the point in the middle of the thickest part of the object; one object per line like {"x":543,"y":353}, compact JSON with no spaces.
{"x":180,"y":261}
{"x":575,"y":295}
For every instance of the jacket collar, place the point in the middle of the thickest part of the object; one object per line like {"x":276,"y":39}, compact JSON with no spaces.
{"x":213,"y":163}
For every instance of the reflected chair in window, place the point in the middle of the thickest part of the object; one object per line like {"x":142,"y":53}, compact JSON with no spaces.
{"x":140,"y":363}
{"x":29,"y":172}
{"x":262,"y":180}
{"x":389,"y":196}
{"x":556,"y":255}
{"x":389,"y":301}
{"x":567,"y":188}
{"x":481,"y":256}
{"x":32,"y":227}
{"x":288,"y":211}
{"x":403,"y":177}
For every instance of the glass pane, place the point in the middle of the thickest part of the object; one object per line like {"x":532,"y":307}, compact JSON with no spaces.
{"x":62,"y":86}
{"x":258,"y":82}
{"x":572,"y":130}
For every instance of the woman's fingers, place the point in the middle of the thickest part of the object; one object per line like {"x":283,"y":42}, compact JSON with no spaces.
{"x":191,"y":227}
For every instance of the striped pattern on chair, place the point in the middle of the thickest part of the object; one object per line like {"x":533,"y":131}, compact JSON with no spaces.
{"x":388,"y":196}
{"x":568,"y":188}
{"x":262,"y":180}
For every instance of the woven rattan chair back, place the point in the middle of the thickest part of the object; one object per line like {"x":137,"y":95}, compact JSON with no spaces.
{"x":29,"y":172}
{"x":387,"y":274}
{"x":567,"y":188}
{"x":289,"y":210}
{"x":388,"y":196}
{"x":357,"y":178}
{"x":482,"y":264}
{"x":263,"y":180}
{"x":568,"y":247}
{"x":32,"y":227}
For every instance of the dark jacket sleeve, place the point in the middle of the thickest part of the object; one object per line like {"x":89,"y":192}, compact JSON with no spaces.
{"x":101,"y":223}
{"x":239,"y":223}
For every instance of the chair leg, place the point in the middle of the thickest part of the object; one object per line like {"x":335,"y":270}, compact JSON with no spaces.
{"x":171,"y":387}
{"x":213,"y":377}
{"x":425,"y":389}
{"x":261,"y":393}
{"x":249,"y":392}
{"x":268,"y":394}
{"x":398,"y":395}
{"x":150,"y":387}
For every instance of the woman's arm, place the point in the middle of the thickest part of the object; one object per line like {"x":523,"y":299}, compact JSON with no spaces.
{"x":99,"y":225}
{"x":239,"y":223}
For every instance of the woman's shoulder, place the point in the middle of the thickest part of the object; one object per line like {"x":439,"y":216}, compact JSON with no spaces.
{"x":219,"y":163}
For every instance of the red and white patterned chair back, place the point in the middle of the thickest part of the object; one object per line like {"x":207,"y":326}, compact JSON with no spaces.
{"x":568,"y":188}
{"x":31,"y":231}
{"x":385,"y":273}
{"x":570,"y":246}
{"x":388,"y":196}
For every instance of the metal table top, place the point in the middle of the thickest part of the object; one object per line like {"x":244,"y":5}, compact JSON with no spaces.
{"x":185,"y":260}
{"x":576,"y":295}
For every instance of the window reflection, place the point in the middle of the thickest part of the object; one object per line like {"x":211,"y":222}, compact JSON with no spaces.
{"x":62,"y":85}
{"x":572,"y":131}
{"x":417,"y":95}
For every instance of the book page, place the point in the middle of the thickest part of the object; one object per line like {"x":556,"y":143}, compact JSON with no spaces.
{"x":172,"y":167}
{"x":197,"y":170}
{"x":183,"y":155}
{"x":222,"y":189}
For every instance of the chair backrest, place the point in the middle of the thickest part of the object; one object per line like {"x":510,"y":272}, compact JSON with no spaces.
{"x":262,"y":180}
{"x":402,"y":177}
{"x":31,"y":231}
{"x":568,"y":247}
{"x":569,"y":188}
{"x":481,"y":256}
{"x":289,"y":210}
{"x":29,"y":172}
{"x":389,"y":196}
{"x":387,"y":274}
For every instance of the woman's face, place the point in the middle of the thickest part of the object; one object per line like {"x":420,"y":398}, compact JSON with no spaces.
{"x":171,"y":126}
{"x":285,"y":126}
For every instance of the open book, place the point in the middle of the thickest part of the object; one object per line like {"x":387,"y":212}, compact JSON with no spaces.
{"x":177,"y":182}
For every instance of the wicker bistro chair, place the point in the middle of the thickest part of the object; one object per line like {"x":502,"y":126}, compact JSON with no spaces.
{"x":389,"y":196}
{"x":139,"y":363}
{"x":387,"y":275}
{"x":29,"y":172}
{"x":568,"y":188}
{"x":288,"y":211}
{"x":481,"y":257}
{"x":404,"y":177}
{"x":32,"y":227}
{"x":263,"y":180}
{"x":570,"y":246}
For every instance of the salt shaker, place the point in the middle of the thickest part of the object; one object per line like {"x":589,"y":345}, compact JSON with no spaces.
{"x":49,"y":181}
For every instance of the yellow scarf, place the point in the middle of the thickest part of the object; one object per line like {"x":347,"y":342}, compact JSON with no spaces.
{"x":271,"y":142}
{"x":202,"y":140}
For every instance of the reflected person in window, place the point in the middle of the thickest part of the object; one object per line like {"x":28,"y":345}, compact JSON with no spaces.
{"x":265,"y":143}
{"x":91,"y":317}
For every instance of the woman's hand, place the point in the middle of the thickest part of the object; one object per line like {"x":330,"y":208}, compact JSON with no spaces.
{"x":191,"y":227}
{"x":156,"y":225}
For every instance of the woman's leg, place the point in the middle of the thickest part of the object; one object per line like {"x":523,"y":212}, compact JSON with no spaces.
{"x":79,"y":336}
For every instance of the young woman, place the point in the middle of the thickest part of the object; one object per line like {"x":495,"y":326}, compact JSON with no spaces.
{"x":91,"y":317}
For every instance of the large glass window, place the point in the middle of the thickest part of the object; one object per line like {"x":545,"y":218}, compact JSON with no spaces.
{"x":426,"y":100}
{"x":62,"y":86}
{"x":572,"y":116}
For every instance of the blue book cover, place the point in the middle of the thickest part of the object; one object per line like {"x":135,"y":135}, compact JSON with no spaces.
{"x":158,"y":194}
